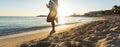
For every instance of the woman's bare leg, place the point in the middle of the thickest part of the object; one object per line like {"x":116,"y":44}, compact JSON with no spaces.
{"x":53,"y":27}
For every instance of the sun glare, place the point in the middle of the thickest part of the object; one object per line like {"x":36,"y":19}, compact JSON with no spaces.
{"x":64,"y":10}
{"x":61,"y":20}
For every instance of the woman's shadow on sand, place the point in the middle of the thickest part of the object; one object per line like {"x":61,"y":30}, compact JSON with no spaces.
{"x":49,"y":35}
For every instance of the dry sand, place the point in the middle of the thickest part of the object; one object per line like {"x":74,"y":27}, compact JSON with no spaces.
{"x":101,"y":33}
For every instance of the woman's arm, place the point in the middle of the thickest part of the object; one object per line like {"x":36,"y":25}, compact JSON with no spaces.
{"x":50,"y":4}
{"x":47,"y":6}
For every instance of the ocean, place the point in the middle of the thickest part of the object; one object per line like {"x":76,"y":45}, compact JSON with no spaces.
{"x":14,"y":24}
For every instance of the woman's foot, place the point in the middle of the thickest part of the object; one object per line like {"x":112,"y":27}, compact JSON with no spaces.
{"x":53,"y":31}
{"x":56,"y":19}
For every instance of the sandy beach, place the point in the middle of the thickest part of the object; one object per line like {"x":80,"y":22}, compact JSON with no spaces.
{"x":103,"y":32}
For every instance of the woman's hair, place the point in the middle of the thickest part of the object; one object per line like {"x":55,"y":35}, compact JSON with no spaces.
{"x":53,"y":3}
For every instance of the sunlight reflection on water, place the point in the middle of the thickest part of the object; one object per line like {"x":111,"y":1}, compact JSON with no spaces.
{"x":66,"y":20}
{"x":61,"y":20}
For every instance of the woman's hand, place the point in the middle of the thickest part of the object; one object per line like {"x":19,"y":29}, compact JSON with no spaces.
{"x":47,"y":5}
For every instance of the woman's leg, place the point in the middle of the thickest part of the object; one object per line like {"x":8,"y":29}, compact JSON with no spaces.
{"x":53,"y":25}
{"x":53,"y":28}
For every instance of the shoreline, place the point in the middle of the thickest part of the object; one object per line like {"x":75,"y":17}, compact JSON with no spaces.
{"x":4,"y":32}
{"x":24,"y":30}
{"x":35,"y":28}
{"x":23,"y":33}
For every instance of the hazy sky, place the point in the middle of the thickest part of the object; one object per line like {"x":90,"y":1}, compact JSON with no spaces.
{"x":66,"y":7}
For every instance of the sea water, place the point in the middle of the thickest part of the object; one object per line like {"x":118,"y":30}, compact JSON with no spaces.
{"x":19,"y":23}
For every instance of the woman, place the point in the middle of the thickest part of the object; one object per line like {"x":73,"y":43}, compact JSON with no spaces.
{"x":53,"y":6}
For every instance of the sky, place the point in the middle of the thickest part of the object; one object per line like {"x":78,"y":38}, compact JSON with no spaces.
{"x":66,"y":7}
